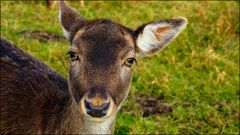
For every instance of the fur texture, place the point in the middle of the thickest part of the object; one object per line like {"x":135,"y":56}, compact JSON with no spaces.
{"x":35,"y":99}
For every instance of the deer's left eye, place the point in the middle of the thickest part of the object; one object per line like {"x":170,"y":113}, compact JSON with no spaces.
{"x":73,"y":55}
{"x":130,"y":61}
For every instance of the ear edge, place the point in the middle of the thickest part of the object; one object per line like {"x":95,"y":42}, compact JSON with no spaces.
{"x":178,"y":21}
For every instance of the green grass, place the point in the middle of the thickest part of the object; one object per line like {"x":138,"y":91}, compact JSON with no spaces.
{"x":198,"y":73}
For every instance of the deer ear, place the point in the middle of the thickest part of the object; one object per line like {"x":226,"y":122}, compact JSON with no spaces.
{"x":154,"y":36}
{"x":69,"y":19}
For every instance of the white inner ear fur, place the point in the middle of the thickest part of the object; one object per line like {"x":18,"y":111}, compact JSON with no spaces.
{"x":155,"y":36}
{"x":65,"y":32}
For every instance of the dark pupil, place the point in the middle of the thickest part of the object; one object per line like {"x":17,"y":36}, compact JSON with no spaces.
{"x":72,"y":55}
{"x":131,"y":60}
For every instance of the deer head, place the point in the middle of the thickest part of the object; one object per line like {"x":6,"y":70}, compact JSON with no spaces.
{"x":102,"y":53}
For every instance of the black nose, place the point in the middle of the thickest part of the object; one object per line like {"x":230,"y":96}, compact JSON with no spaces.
{"x":96,"y":111}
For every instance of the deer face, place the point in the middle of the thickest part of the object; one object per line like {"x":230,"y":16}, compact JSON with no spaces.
{"x":100,"y":71}
{"x":102,"y":53}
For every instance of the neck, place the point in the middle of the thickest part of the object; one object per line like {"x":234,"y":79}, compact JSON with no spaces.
{"x":96,"y":126}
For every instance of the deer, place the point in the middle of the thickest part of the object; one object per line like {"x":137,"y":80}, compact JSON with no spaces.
{"x":35,"y":99}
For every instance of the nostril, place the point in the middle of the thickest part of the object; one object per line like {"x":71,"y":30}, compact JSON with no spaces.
{"x":105,"y":106}
{"x":87,"y":104}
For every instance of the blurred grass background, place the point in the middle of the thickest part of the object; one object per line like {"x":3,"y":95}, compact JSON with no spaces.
{"x":197,"y":74}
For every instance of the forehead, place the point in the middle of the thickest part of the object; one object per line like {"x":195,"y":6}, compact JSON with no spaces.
{"x":103,"y":41}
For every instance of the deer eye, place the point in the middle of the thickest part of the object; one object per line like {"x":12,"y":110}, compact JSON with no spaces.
{"x":130,"y":61}
{"x":73,"y":55}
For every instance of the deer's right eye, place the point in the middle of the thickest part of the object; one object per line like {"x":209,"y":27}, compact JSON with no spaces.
{"x":73,"y":55}
{"x":130,"y":61}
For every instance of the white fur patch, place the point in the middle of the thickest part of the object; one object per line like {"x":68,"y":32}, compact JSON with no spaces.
{"x":120,"y":105}
{"x":99,"y":127}
{"x":125,"y":75}
{"x":125,"y":72}
{"x":65,"y":32}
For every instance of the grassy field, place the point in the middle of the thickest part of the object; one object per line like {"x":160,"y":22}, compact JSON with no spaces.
{"x":197,"y":75}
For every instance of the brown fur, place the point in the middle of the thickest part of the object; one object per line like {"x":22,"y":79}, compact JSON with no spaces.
{"x":35,"y":99}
